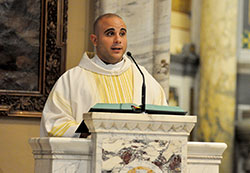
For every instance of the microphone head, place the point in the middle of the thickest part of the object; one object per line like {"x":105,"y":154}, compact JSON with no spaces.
{"x":129,"y":54}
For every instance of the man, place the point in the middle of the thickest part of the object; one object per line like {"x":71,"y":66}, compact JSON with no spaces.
{"x":106,"y":77}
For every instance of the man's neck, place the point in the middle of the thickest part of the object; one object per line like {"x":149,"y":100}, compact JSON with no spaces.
{"x":106,"y":65}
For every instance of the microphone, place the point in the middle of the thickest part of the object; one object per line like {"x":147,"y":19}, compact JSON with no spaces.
{"x":143,"y":93}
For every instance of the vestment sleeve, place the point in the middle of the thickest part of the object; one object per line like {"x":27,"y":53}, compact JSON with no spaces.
{"x":58,"y":118}
{"x":163,"y":100}
{"x":155,"y":91}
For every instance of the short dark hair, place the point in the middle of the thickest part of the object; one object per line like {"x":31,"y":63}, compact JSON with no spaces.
{"x":107,"y":15}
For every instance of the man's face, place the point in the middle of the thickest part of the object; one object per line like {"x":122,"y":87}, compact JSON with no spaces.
{"x":110,"y":39}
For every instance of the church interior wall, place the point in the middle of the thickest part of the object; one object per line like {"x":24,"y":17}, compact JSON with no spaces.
{"x":80,"y":21}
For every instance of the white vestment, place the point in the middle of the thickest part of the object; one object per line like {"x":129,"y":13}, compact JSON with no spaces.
{"x":77,"y":90}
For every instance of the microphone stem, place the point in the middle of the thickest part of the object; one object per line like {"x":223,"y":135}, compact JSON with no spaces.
{"x":143,"y":98}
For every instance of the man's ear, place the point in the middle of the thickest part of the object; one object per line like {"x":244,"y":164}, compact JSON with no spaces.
{"x":93,"y":39}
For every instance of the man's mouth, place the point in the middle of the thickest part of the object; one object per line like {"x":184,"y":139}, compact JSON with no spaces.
{"x":116,"y":48}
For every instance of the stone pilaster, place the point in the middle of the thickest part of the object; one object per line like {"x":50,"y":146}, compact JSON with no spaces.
{"x":218,"y":75}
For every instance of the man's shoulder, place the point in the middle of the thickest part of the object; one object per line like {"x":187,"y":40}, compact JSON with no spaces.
{"x":74,"y":70}
{"x":73,"y":73}
{"x":71,"y":77}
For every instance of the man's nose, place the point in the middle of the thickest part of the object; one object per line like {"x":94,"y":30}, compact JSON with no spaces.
{"x":117,"y":38}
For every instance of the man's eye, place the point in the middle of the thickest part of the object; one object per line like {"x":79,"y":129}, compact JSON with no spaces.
{"x":110,"y":33}
{"x":122,"y":33}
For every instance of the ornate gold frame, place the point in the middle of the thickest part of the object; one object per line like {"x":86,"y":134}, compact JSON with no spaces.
{"x":52,"y":62}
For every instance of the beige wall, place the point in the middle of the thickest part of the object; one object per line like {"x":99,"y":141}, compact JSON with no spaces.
{"x":79,"y":28}
{"x":15,"y":152}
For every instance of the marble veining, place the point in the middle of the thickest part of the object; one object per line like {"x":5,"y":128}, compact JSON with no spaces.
{"x":121,"y":155}
{"x":202,"y":157}
{"x":218,"y":75}
{"x":120,"y":141}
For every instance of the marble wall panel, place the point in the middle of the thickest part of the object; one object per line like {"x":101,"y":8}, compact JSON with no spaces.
{"x":131,"y":153}
{"x":121,"y":155}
